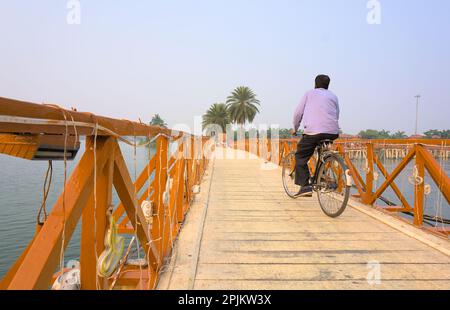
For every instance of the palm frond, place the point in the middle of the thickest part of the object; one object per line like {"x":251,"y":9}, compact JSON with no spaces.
{"x":242,"y":104}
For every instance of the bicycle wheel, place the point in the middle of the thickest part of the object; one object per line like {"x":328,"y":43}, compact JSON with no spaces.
{"x":333,"y":188}
{"x":288,"y":175}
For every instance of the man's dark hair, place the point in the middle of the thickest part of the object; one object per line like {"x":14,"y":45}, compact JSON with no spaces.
{"x":322,"y":81}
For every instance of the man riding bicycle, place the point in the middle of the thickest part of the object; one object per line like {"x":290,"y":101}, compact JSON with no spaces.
{"x":319,"y":111}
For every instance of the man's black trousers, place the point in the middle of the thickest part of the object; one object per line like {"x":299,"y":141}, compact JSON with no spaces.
{"x":305,"y":150}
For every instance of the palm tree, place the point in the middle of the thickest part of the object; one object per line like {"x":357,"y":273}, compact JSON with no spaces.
{"x":158,"y":121}
{"x":217,"y":115}
{"x":242,"y":105}
{"x":399,"y":135}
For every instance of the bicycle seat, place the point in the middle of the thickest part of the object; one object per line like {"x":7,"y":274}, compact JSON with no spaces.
{"x":326,"y":142}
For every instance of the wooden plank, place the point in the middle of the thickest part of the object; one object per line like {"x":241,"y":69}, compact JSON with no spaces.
{"x":320,"y":285}
{"x":316,"y":272}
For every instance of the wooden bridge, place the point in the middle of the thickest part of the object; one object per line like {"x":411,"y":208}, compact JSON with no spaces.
{"x":204,"y":220}
{"x":244,"y":233}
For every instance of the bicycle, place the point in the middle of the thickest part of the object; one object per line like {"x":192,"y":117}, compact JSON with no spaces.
{"x":330,"y":179}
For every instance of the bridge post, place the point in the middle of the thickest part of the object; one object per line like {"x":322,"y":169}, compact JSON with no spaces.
{"x":369,"y":175}
{"x":95,"y":228}
{"x":181,"y":186}
{"x":419,"y":188}
{"x":159,"y":228}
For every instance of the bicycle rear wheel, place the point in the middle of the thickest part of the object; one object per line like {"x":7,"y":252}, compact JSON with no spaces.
{"x":288,"y":175}
{"x":333,"y":188}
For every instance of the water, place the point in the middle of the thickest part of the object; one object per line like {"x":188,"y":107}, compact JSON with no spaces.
{"x":21,"y":195}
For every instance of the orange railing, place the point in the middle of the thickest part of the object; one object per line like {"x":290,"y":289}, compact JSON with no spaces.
{"x":87,"y":195}
{"x":426,"y":154}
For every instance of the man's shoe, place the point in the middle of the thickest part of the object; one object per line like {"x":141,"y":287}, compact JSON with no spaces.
{"x":305,"y":191}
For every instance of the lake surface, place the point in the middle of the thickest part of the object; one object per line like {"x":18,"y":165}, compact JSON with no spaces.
{"x":21,"y":184}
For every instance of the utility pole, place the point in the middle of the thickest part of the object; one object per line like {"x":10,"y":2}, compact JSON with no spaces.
{"x":417,"y":112}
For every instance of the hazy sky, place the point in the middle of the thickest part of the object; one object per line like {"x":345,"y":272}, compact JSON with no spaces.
{"x":131,"y":59}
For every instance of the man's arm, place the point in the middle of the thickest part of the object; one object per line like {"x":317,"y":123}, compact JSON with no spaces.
{"x":298,"y":114}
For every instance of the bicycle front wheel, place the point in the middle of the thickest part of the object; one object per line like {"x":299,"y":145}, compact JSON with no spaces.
{"x":333,"y":188}
{"x":288,"y":175}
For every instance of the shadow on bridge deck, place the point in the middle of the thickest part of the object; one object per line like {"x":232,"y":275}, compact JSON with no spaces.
{"x":243,"y":232}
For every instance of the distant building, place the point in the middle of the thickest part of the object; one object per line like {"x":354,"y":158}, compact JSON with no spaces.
{"x":417,"y":137}
{"x":347,"y":136}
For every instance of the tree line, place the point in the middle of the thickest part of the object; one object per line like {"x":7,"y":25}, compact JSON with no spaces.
{"x":385,"y":134}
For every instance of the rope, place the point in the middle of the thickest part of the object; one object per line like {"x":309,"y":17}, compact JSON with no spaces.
{"x":439,"y":211}
{"x":150,"y":221}
{"x":415,"y":179}
{"x":95,"y":208}
{"x":176,"y":211}
{"x":427,"y":189}
{"x":110,"y":258}
{"x":63,"y":238}
{"x":136,"y":205}
{"x":158,"y":216}
{"x":75,"y":130}
{"x":121,"y":264}
{"x":45,"y":190}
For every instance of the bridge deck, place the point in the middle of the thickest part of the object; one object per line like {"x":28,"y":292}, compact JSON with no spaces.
{"x":245,"y":233}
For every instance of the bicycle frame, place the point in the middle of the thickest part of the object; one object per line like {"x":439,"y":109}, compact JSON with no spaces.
{"x":323,"y":152}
